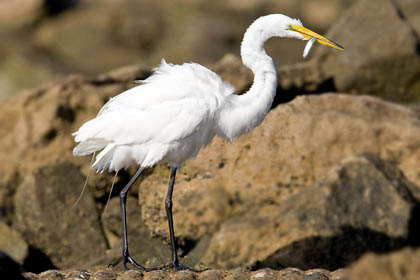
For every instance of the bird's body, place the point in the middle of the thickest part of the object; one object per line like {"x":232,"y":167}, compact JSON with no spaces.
{"x":180,"y":108}
{"x":168,"y":118}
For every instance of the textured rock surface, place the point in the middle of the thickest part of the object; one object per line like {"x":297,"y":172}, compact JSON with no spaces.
{"x":291,"y":193}
{"x":296,"y":145}
{"x":388,"y":65}
{"x":360,"y":206}
{"x":69,"y":236}
{"x":286,"y":274}
{"x":401,"y":265}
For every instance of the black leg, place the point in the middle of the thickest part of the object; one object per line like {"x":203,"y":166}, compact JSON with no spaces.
{"x":168,"y":206}
{"x":123,"y":199}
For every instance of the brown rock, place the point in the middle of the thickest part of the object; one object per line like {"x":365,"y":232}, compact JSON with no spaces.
{"x":410,"y":11}
{"x":295,"y":146}
{"x":30,"y":142}
{"x":386,"y":66}
{"x":143,"y":248}
{"x":77,"y":274}
{"x":51,"y":275}
{"x":12,"y":244}
{"x":358,"y":207}
{"x":129,"y":275}
{"x":30,"y":276}
{"x":400,"y":265}
{"x":94,"y":38}
{"x":103,"y":275}
{"x":69,"y":236}
{"x":111,"y":220}
{"x":16,"y":13}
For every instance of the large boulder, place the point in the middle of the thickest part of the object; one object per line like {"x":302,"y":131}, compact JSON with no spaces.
{"x":294,"y":147}
{"x":47,"y":217}
{"x":363,"y":204}
{"x":381,"y":54}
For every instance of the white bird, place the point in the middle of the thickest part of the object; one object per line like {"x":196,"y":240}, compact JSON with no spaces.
{"x":179,"y":109}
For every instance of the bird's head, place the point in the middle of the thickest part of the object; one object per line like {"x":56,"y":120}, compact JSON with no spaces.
{"x":278,"y":25}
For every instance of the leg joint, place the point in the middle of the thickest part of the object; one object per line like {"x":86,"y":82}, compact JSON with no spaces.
{"x":168,"y":203}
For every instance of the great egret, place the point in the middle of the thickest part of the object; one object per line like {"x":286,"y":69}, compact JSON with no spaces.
{"x":179,"y":109}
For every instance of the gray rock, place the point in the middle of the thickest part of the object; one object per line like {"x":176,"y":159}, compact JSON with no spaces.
{"x":44,"y":215}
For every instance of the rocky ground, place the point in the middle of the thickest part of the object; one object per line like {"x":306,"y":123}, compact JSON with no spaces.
{"x":327,"y":187}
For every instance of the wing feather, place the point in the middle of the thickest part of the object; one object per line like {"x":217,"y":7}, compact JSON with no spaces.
{"x":175,"y":103}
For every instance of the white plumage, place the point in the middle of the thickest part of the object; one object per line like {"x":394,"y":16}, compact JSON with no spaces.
{"x":167,"y":118}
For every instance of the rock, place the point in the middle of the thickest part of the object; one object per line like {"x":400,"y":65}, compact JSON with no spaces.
{"x":29,"y":143}
{"x":358,"y":207}
{"x":16,"y":13}
{"x":401,"y":265}
{"x":111,"y":220}
{"x":294,"y":147}
{"x":130,"y":274}
{"x":101,"y":274}
{"x":143,"y":248}
{"x":147,"y":251}
{"x":41,"y":45}
{"x":70,"y":236}
{"x":12,"y":244}
{"x":409,"y":10}
{"x":386,"y":66}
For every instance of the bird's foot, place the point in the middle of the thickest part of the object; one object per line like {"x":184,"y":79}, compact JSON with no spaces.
{"x":128,"y":259}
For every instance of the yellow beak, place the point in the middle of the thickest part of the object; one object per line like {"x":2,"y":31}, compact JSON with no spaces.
{"x":308,"y":34}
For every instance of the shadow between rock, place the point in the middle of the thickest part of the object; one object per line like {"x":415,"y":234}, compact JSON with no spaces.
{"x":37,"y":261}
{"x":287,"y":95}
{"x":334,"y":252}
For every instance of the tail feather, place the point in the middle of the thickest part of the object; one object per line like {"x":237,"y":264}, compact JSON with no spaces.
{"x":104,"y":158}
{"x":89,"y":146}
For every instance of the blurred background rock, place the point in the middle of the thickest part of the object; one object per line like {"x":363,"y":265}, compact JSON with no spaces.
{"x":45,"y":40}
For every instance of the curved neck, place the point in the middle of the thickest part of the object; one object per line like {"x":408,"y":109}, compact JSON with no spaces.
{"x":252,"y":47}
{"x":241,"y":113}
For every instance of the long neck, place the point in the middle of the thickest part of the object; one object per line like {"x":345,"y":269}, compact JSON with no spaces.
{"x":241,"y":113}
